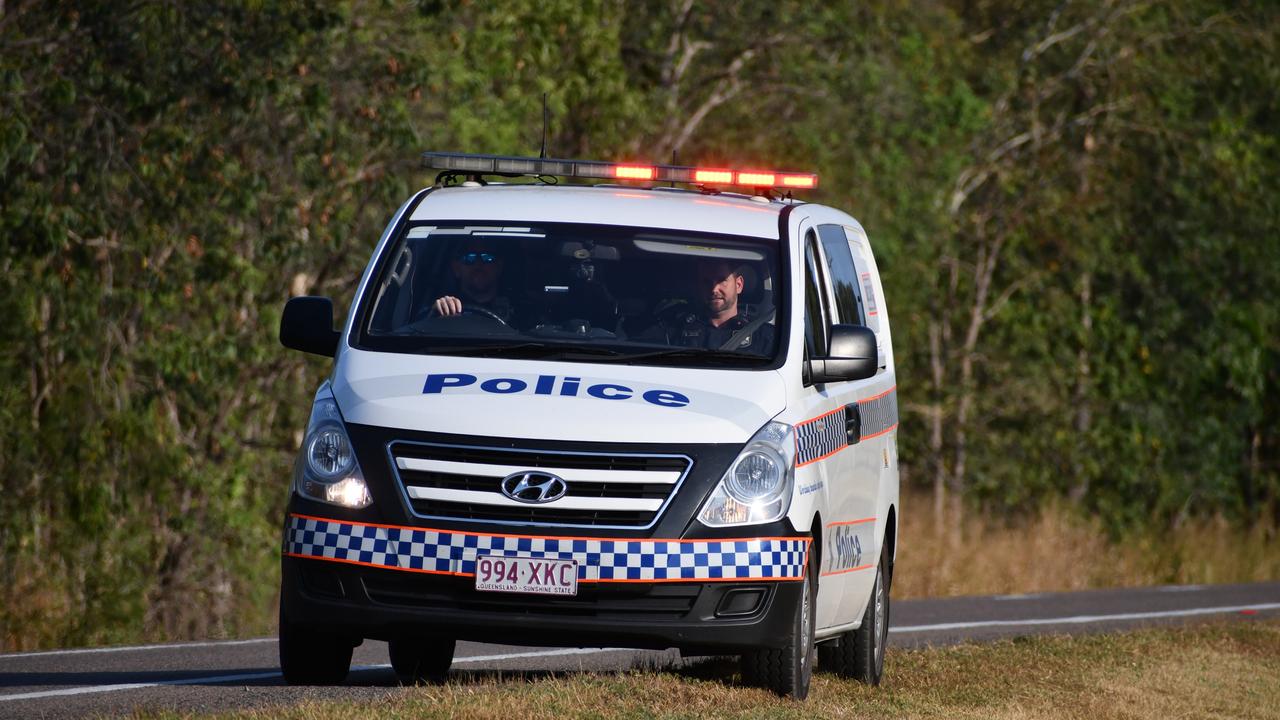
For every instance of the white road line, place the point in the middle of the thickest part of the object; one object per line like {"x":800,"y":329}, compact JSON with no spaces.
{"x":128,"y":648}
{"x":135,"y":686}
{"x":1083,"y":619}
{"x":213,"y":679}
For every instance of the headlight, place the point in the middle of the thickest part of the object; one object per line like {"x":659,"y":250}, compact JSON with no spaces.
{"x":757,"y":486}
{"x":329,"y":453}
{"x":327,"y":469}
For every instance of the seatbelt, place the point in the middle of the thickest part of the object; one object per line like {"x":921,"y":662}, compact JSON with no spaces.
{"x":745,"y":331}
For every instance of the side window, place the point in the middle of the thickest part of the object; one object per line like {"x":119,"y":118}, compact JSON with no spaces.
{"x":844,"y":276}
{"x":815,"y":311}
{"x":868,"y":284}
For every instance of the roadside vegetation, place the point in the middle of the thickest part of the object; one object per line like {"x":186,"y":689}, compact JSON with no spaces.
{"x":1229,"y":670}
{"x":1075,"y":206}
{"x":1058,"y":549}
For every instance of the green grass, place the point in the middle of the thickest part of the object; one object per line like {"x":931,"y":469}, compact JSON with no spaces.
{"x":1226,"y":669}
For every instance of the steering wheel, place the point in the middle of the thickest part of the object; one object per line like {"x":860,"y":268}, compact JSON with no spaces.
{"x":473,"y":310}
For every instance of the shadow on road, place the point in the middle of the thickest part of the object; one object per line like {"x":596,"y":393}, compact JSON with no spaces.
{"x":715,"y":669}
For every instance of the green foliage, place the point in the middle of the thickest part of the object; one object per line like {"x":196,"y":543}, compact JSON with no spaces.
{"x":1098,"y":184}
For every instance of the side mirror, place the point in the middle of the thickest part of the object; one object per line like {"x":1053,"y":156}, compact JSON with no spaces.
{"x":851,"y":355}
{"x":307,"y":325}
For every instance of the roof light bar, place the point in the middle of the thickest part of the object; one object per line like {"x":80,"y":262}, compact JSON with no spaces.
{"x":756,"y":179}
{"x":798,"y":181}
{"x":509,"y":165}
{"x":634,"y":172}
{"x":713,"y":177}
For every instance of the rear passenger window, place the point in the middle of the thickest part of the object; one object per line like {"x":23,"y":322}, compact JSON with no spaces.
{"x":844,"y":276}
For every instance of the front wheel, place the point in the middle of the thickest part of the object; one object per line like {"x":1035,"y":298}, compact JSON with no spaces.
{"x":313,"y":658}
{"x":421,"y":661}
{"x":788,"y":670}
{"x":859,"y":654}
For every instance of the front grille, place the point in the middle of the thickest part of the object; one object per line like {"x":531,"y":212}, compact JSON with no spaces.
{"x":652,"y":602}
{"x":527,"y":515}
{"x":455,"y":482}
{"x":484,"y":483}
{"x":541,"y":458}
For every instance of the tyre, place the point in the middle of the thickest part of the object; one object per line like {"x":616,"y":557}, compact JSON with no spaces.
{"x":421,"y":661}
{"x":788,"y":670}
{"x":859,"y":654}
{"x":313,"y":658}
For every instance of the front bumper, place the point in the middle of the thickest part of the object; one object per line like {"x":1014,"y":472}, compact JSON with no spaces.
{"x":385,"y":581}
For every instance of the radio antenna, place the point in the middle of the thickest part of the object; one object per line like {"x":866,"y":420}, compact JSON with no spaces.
{"x":543,"y":154}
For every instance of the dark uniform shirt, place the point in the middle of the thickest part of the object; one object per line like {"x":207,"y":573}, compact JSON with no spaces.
{"x":696,"y":331}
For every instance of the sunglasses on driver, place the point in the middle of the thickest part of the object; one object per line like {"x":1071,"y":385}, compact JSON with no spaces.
{"x":471,"y":258}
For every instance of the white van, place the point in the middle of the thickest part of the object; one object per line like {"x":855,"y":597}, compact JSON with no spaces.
{"x":596,"y":416}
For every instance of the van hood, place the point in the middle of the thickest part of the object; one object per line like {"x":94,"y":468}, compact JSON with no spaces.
{"x":538,"y":400}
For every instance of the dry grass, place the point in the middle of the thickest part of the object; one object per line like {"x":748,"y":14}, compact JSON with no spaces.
{"x":1057,"y":550}
{"x":1228,"y":670}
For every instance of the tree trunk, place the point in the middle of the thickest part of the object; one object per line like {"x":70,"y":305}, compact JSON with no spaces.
{"x":937,"y":367}
{"x":1083,"y":419}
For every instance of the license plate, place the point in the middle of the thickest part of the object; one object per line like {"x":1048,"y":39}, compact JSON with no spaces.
{"x":526,"y":575}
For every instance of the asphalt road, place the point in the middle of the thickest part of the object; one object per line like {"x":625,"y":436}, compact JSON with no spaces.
{"x":245,"y":673}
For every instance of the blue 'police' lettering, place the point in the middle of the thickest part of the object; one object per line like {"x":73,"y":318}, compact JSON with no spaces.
{"x":438,"y":383}
{"x":569,"y":387}
{"x":666,"y":398}
{"x":503,"y":386}
{"x":846,"y":548}
{"x":606,"y":391}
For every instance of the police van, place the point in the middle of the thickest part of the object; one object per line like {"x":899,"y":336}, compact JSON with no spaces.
{"x":658,"y":411}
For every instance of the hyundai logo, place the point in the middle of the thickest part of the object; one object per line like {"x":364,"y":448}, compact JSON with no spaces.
{"x":534,"y":487}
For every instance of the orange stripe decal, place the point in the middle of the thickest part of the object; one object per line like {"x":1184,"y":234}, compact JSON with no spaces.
{"x":847,"y":570}
{"x":859,"y":521}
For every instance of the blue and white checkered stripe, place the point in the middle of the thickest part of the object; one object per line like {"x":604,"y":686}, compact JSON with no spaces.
{"x":879,"y":414}
{"x":820,"y":437}
{"x":826,"y":434}
{"x":599,"y":559}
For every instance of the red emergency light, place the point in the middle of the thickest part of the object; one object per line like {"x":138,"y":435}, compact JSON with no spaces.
{"x":634,"y":172}
{"x":804,"y":182}
{"x":756,"y":179}
{"x":713,"y":177}
{"x":473,"y":164}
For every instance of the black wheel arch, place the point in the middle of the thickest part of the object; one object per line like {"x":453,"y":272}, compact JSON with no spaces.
{"x":815,"y":532}
{"x":890,"y":545}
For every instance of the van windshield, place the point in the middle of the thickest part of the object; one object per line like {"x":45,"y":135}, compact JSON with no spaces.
{"x":564,"y":291}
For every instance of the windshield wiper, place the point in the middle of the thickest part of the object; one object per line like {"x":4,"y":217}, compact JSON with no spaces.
{"x":487,"y":349}
{"x":539,"y":350}
{"x":579,"y":352}
{"x":710,"y":356}
{"x":570,"y":351}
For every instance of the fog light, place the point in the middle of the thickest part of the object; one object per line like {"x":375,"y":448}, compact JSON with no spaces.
{"x":740,"y":601}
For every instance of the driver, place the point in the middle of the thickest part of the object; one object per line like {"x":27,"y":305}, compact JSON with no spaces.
{"x":720,"y":283}
{"x":477,"y":267}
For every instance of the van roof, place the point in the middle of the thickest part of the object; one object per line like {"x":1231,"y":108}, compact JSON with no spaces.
{"x":605,"y":205}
